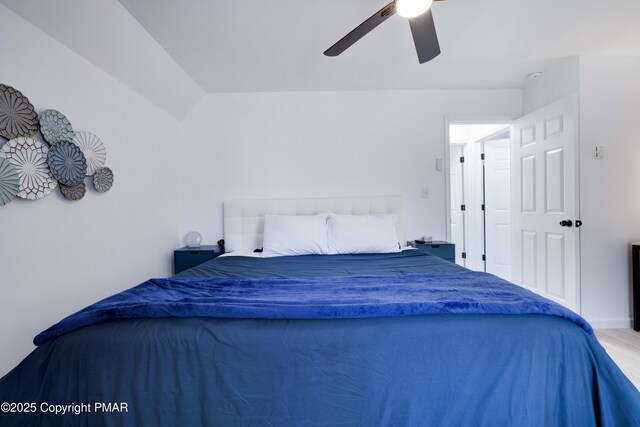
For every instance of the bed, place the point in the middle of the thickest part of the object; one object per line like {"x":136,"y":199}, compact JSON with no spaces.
{"x":365,"y":339}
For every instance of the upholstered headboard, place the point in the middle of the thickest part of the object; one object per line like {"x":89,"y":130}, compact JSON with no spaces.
{"x":244,"y":219}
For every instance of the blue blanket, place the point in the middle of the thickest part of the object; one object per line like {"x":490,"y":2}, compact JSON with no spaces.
{"x":393,"y":264}
{"x":463,"y":292}
{"x":437,"y":369}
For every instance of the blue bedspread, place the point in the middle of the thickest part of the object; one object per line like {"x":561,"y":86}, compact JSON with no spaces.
{"x":393,"y":264}
{"x":349,"y":297}
{"x":459,"y":369}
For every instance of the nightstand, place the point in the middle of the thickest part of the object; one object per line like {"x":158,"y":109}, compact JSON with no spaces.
{"x":185,"y":258}
{"x":444,"y":250}
{"x":635,"y":260}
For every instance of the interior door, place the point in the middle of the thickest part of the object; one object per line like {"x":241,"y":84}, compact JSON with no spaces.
{"x":497,"y":166}
{"x":544,"y":202}
{"x":456,"y":171}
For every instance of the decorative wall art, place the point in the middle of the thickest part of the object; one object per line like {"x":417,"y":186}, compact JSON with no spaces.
{"x":9,"y":182}
{"x":67,"y":163}
{"x":29,"y":158}
{"x":17,"y":115}
{"x":103,"y":179}
{"x":55,"y":127}
{"x":29,"y":169}
{"x":93,"y":150}
{"x":73,"y":192}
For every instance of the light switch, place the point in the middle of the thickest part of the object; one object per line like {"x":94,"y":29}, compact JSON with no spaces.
{"x":599,"y":154}
{"x":425,"y":192}
{"x":438,"y":164}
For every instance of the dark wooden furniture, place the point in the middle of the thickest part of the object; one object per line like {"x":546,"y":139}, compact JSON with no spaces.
{"x":185,"y":258}
{"x":444,"y":250}
{"x":635,"y":259}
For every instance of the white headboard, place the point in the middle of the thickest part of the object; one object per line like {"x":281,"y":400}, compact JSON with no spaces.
{"x":244,"y":219}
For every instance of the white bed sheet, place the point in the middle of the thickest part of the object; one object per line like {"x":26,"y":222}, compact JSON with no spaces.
{"x":250,"y":253}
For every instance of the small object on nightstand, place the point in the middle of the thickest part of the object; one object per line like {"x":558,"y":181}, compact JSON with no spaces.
{"x":193,"y":239}
{"x":187,"y":257}
{"x":444,"y":250}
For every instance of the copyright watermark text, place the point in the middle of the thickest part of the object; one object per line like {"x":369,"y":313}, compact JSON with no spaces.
{"x":71,"y":408}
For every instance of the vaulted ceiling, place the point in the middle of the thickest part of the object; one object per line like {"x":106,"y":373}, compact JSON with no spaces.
{"x":276,"y":45}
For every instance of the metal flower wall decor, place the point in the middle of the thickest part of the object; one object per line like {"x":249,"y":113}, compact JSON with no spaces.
{"x":73,"y":192}
{"x":17,"y":115}
{"x":93,"y":150}
{"x":9,"y":183}
{"x":31,"y":169}
{"x":55,"y":127}
{"x":103,"y":179}
{"x":29,"y":157}
{"x":67,"y":163}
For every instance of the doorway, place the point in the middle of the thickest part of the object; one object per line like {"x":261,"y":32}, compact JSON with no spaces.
{"x":480,"y":201}
{"x":519,"y":179}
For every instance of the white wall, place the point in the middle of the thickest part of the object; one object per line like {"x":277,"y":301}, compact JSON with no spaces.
{"x":609,"y":188}
{"x":115,"y":41}
{"x":314,"y":144}
{"x":556,"y":82}
{"x":57,"y":256}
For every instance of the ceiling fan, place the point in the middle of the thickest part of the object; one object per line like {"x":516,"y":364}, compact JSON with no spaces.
{"x":420,"y":20}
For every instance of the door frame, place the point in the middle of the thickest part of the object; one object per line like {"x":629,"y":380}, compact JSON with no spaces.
{"x":462,"y":120}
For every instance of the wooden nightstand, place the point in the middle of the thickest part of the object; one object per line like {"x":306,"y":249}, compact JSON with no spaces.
{"x":635,"y":262}
{"x":185,"y":258}
{"x":444,"y":250}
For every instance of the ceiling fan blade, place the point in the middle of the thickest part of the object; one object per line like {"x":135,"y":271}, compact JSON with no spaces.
{"x":361,"y":30}
{"x":424,"y":36}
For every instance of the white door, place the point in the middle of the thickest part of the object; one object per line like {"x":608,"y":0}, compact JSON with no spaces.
{"x":473,"y":214}
{"x":544,"y":194}
{"x":497,"y":169}
{"x":457,"y":200}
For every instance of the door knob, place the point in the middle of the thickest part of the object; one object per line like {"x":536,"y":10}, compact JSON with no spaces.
{"x":566,"y":223}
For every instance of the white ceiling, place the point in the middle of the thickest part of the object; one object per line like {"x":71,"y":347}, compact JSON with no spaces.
{"x":277,"y":45}
{"x":104,"y":33}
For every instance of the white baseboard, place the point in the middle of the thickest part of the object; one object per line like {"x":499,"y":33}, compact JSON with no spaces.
{"x":611,"y":323}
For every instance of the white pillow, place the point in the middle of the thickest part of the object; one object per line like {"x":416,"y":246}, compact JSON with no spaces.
{"x":359,"y":234}
{"x":295,"y":235}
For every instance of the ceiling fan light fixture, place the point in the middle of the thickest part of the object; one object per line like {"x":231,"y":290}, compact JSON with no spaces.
{"x":412,"y":8}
